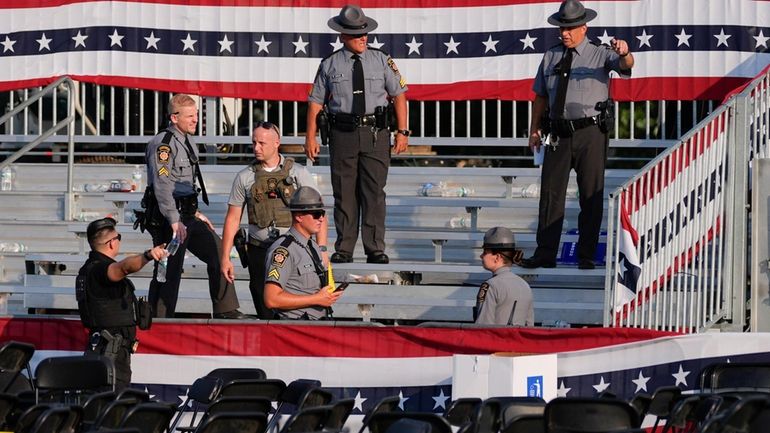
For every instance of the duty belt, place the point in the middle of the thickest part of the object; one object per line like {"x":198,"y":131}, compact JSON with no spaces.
{"x":187,"y":205}
{"x":365,"y":120}
{"x":565,"y":128}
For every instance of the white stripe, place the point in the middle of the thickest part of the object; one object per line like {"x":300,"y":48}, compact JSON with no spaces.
{"x":302,"y":70}
{"x":397,"y":20}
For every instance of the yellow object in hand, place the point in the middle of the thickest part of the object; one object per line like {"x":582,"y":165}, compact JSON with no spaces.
{"x":332,"y":285}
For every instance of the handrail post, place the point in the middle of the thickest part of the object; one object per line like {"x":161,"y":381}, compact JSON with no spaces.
{"x":69,"y":195}
{"x":736,"y":213}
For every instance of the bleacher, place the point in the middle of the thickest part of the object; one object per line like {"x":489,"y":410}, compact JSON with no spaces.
{"x":434,"y":272}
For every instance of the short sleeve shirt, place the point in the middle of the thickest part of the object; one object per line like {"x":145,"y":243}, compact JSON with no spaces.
{"x":290,"y":265}
{"x":588,"y":82}
{"x":241,"y":192}
{"x":170,"y":170}
{"x":502,"y":294}
{"x":333,"y":84}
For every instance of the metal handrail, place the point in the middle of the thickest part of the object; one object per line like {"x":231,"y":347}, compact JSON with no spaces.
{"x":68,"y":121}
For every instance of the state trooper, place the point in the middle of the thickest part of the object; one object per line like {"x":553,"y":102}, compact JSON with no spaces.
{"x":359,"y":138}
{"x":265,"y":188}
{"x":572,"y":94}
{"x":504,"y":299}
{"x":106,"y":300}
{"x":296,"y":281}
{"x":171,"y":210}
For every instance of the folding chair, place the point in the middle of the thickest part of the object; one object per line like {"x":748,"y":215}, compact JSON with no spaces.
{"x":95,"y":405}
{"x":382,"y":422}
{"x":202,"y":392}
{"x":661,"y":403}
{"x":596,"y":415}
{"x":514,"y":407}
{"x":461,"y":411}
{"x":58,"y":419}
{"x":641,"y":402}
{"x":114,"y":412}
{"x":29,"y":417}
{"x":309,"y":419}
{"x":138,"y":394}
{"x":340,"y":411}
{"x":268,"y":388}
{"x":229,"y":374}
{"x":148,"y":417}
{"x":234,"y":422}
{"x":386,"y":404}
{"x":68,"y":379}
{"x":737,"y":376}
{"x":14,"y":357}
{"x":524,"y":423}
{"x":301,"y":393}
{"x":406,"y":425}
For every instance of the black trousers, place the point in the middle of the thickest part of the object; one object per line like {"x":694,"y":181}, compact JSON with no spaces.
{"x":257,"y":255}
{"x":121,"y":358}
{"x":204,"y":244}
{"x":359,"y":169}
{"x":585,"y":152}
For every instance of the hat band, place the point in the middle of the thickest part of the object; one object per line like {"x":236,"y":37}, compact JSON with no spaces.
{"x":573,"y":20}
{"x":305,"y":206}
{"x":361,"y":27}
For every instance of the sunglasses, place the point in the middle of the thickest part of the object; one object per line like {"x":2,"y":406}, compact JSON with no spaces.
{"x":118,"y":237}
{"x":269,"y":125}
{"x":347,"y":35}
{"x":317,"y":214}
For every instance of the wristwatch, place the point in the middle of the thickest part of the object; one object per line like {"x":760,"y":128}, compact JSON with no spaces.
{"x":404,"y":132}
{"x":323,"y":248}
{"x":148,"y":256}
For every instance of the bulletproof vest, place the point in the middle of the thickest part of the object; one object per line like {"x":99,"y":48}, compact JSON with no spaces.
{"x":270,"y":196}
{"x":98,"y":313}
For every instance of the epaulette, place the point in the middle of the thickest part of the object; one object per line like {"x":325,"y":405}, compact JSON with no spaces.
{"x":555,"y":46}
{"x":167,"y":138}
{"x":333,"y":53}
{"x":287,"y":240}
{"x":377,"y":49}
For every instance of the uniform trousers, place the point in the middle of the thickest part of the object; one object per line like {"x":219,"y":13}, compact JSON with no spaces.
{"x":121,"y":358}
{"x":585,"y":152}
{"x":207,"y":246}
{"x":359,"y":169}
{"x":257,"y":255}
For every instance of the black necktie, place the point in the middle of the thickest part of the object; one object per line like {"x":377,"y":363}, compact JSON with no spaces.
{"x":565,"y":67}
{"x":359,"y":100}
{"x":314,"y":255}
{"x":198,"y":175}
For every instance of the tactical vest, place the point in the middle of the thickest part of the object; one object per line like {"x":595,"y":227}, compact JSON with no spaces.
{"x":270,"y":195}
{"x":97,"y":313}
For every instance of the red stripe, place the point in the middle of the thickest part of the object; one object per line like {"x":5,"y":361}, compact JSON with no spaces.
{"x":298,"y":340}
{"x":401,"y":4}
{"x":638,"y":89}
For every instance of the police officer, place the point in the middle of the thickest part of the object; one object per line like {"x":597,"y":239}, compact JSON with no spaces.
{"x":265,"y":188}
{"x":296,"y":281}
{"x":572,"y":82}
{"x":172,"y":168}
{"x":106,"y":299}
{"x":504,"y":299}
{"x":359,"y":138}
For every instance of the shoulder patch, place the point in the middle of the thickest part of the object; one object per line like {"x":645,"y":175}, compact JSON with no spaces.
{"x":279,"y":257}
{"x":163,"y":171}
{"x":164,"y":154}
{"x":482,"y":293}
{"x":393,"y":66}
{"x":274,"y":274}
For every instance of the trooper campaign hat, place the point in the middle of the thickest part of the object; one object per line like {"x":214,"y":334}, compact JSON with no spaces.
{"x":306,"y":199}
{"x":499,"y":238}
{"x":352,"y":21}
{"x":571,"y":13}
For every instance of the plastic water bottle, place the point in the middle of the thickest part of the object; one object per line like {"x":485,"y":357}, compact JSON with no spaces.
{"x":459,"y":222}
{"x":136,"y":178}
{"x":444,"y":189}
{"x":171,"y":249}
{"x":6,"y":179}
{"x":532,"y":190}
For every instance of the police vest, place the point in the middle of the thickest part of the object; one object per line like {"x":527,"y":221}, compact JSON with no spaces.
{"x":270,"y":195}
{"x":100,"y":313}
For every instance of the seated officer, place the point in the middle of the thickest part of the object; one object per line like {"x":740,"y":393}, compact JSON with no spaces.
{"x":295,"y":281}
{"x":504,"y":299}
{"x":106,"y":299}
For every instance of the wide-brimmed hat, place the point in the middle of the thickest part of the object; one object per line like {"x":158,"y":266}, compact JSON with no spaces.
{"x":352,"y":21}
{"x":306,"y":199}
{"x":571,"y":13}
{"x":499,"y":238}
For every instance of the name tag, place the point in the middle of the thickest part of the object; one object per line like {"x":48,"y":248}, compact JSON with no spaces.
{"x":308,"y":266}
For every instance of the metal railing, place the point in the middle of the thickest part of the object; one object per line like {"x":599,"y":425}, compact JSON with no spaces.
{"x":68,"y":121}
{"x":119,"y":121}
{"x":677,"y":257}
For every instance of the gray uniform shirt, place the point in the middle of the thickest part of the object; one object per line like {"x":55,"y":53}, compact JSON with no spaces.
{"x":241,"y":192}
{"x":497,"y":296}
{"x":292,"y":268}
{"x":333,"y":84}
{"x":170,"y":170}
{"x":588,"y":81}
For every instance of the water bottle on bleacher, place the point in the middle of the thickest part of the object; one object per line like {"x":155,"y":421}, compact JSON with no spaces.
{"x":444,"y":189}
{"x":171,"y":249}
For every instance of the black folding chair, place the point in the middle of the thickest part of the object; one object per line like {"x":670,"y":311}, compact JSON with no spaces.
{"x":148,"y":418}
{"x":740,"y":376}
{"x":227,"y":375}
{"x":271,"y":389}
{"x":95,"y":405}
{"x":381,"y":422}
{"x":71,"y":379}
{"x":512,"y":408}
{"x":114,"y":412}
{"x":202,"y":392}
{"x":406,"y":425}
{"x":641,"y":403}
{"x":309,"y":419}
{"x":461,"y":411}
{"x":524,"y":423}
{"x":57,"y":419}
{"x":234,"y":422}
{"x":596,"y":415}
{"x":386,"y":404}
{"x":340,"y":411}
{"x":661,"y":404}
{"x":14,"y":357}
{"x":301,"y":393}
